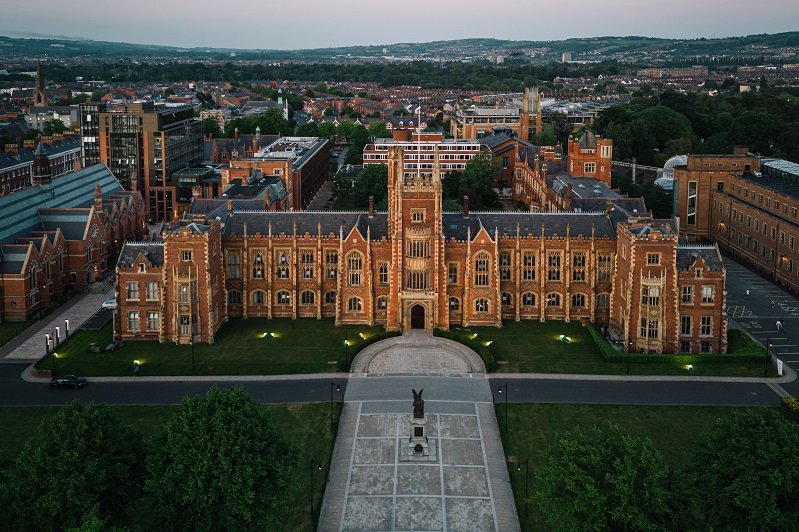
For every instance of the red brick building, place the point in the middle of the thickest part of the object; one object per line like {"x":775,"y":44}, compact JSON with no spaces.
{"x":418,"y":267}
{"x":62,"y":233}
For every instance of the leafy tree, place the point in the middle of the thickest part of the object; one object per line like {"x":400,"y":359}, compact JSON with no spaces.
{"x":308,"y":129}
{"x":329,"y":112}
{"x":98,"y":94}
{"x":562,"y":128}
{"x":477,"y":181}
{"x":211,"y":128}
{"x":320,"y":87}
{"x":378,"y":130}
{"x":84,"y":462}
{"x":53,"y":126}
{"x":401,"y":112}
{"x":348,"y":110}
{"x":358,"y":140}
{"x":327,"y":130}
{"x":607,"y":481}
{"x":310,"y":93}
{"x":547,"y":136}
{"x":372,"y":181}
{"x":746,"y":471}
{"x":345,"y":128}
{"x":169,"y":91}
{"x":31,"y":134}
{"x":219,"y":465}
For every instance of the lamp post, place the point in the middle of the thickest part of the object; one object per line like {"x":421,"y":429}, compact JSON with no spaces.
{"x":66,"y":328}
{"x":490,"y":353}
{"x":57,"y":336}
{"x":346,"y":351}
{"x":191,"y":343}
{"x":314,"y":469}
{"x":526,"y":466}
{"x":506,"y":402}
{"x":768,"y":355}
{"x":338,"y":389}
{"x":629,"y":348}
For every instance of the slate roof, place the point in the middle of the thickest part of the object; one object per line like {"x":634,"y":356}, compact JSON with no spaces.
{"x":12,"y":257}
{"x":46,"y":206}
{"x":666,"y":227}
{"x":687,"y":255}
{"x":307,"y":222}
{"x":529,"y":223}
{"x":154,"y":251}
{"x":25,"y":155}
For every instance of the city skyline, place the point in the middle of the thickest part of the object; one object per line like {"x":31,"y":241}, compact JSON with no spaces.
{"x":349,"y":23}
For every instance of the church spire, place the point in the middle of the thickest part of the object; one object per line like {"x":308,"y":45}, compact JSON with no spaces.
{"x":39,"y":94}
{"x":41,"y":166}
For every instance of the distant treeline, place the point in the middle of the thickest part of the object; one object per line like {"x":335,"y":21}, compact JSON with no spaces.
{"x":467,"y":76}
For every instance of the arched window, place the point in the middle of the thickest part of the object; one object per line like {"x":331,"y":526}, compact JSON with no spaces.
{"x":528,"y":299}
{"x":382,"y":303}
{"x":354,"y":267}
{"x":234,"y":297}
{"x":603,"y":300}
{"x":307,"y":297}
{"x":258,"y":297}
{"x":354,"y":304}
{"x":283,"y":297}
{"x":330,"y":297}
{"x":507,"y":299}
{"x":481,"y":269}
{"x":553,"y":299}
{"x":578,"y":300}
{"x":454,"y":304}
{"x":481,"y":305}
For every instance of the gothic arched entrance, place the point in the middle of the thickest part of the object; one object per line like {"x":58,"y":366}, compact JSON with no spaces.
{"x":417,"y":317}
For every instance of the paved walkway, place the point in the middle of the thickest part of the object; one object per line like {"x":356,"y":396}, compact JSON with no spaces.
{"x":30,"y":344}
{"x":417,"y":352}
{"x":376,"y":486}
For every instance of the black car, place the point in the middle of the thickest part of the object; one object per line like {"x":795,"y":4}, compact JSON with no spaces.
{"x":68,"y":381}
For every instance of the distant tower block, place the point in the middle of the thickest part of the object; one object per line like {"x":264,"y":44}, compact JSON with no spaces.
{"x":566,"y":57}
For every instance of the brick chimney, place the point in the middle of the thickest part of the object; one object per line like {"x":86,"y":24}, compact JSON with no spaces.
{"x":229,"y":206}
{"x":608,"y":207}
{"x":98,"y":198}
{"x":466,"y":206}
{"x":236,"y":133}
{"x":371,"y":206}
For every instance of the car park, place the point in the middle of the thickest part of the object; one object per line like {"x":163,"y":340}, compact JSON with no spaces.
{"x":109,"y":304}
{"x":68,"y":381}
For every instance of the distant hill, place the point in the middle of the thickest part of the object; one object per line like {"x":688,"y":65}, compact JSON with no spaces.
{"x":601,"y":47}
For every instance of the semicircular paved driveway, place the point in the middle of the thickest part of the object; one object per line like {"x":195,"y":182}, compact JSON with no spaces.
{"x":417,"y":352}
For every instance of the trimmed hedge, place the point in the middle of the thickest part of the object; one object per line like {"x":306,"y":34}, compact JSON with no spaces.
{"x":742,"y":350}
{"x":790,"y":406}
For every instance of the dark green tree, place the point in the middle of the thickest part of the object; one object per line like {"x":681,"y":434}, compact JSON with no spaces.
{"x":84,"y":462}
{"x":211,"y":127}
{"x":372,"y":181}
{"x":477,"y":181}
{"x":98,"y":94}
{"x":53,"y":126}
{"x":746,"y":472}
{"x":358,"y":140}
{"x":327,"y":130}
{"x":607,"y":480}
{"x":345,"y":128}
{"x":219,"y":464}
{"x":378,"y":130}
{"x":547,"y":136}
{"x":308,"y":129}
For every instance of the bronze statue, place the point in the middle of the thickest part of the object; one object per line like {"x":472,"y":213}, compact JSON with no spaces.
{"x":418,"y":404}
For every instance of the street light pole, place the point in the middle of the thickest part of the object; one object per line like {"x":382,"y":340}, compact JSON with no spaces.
{"x":506,"y":403}
{"x":768,"y":355}
{"x":346,"y":351}
{"x":629,"y":346}
{"x":314,"y":468}
{"x":526,"y":480}
{"x":191,"y":343}
{"x":338,"y":389}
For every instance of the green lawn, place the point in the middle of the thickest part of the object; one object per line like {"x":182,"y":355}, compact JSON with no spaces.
{"x":9,"y":330}
{"x":306,"y":425}
{"x":532,"y":427}
{"x":533,"y":347}
{"x":241,"y":348}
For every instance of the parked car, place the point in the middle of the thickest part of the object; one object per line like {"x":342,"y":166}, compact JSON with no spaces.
{"x":68,"y":381}
{"x":109,"y":304}
{"x":338,"y":149}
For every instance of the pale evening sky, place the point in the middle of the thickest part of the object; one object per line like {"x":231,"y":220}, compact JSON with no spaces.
{"x":325,"y":23}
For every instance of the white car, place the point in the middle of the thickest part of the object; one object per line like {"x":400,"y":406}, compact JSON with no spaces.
{"x":109,"y":304}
